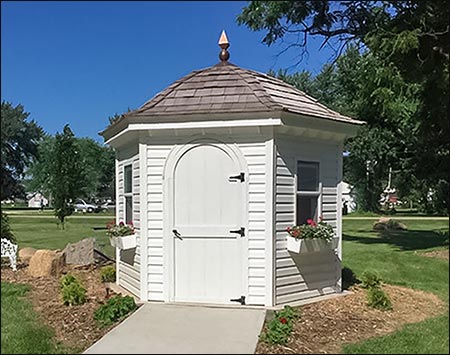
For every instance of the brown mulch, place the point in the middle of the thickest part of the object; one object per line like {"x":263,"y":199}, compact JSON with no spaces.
{"x":324,"y":327}
{"x":74,"y":326}
{"x":440,"y":254}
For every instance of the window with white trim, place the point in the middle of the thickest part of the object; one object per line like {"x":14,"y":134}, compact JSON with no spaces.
{"x":308,"y":191}
{"x":128,"y":193}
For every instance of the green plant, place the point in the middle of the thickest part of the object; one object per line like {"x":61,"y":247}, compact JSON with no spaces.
{"x":370,"y":279}
{"x":279,"y":328}
{"x":108,"y":274}
{"x":66,"y":280}
{"x":378,"y":299}
{"x":6,"y":229}
{"x":116,"y":308}
{"x":312,"y":230}
{"x":119,"y":230}
{"x":73,"y":294}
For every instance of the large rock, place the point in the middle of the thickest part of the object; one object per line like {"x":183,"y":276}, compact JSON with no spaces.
{"x":385,"y":223}
{"x":81,"y":253}
{"x":46,"y":263}
{"x":25,"y":254}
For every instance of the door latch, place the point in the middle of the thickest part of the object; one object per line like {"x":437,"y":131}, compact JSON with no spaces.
{"x":241,"y":300}
{"x":241,"y":231}
{"x":240,"y":177}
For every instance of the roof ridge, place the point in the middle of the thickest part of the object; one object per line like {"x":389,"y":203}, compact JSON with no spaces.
{"x":266,"y":96}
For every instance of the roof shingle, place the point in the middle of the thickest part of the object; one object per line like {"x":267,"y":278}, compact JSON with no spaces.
{"x":226,"y":87}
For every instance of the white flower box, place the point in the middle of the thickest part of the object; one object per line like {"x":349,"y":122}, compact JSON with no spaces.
{"x":310,"y":245}
{"x":125,"y":242}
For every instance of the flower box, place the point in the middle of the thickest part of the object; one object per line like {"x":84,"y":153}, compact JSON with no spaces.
{"x":124,"y":242}
{"x":310,"y":245}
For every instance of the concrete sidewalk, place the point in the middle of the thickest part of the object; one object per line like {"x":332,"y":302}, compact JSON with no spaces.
{"x":180,"y":329}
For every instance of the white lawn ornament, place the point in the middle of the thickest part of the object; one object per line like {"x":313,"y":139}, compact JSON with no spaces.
{"x":9,"y":250}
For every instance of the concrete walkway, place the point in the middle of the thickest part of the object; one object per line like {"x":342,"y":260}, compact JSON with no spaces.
{"x":180,"y":329}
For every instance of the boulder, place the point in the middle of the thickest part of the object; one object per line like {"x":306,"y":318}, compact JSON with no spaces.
{"x":46,"y":263}
{"x":25,"y":254}
{"x":81,"y":253}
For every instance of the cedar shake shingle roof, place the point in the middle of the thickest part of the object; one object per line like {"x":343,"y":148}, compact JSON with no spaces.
{"x":227,"y":88}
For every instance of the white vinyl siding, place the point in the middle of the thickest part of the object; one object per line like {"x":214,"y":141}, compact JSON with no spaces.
{"x":129,"y":260}
{"x":304,"y":276}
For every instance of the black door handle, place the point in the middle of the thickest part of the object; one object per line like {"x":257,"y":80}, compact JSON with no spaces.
{"x":177,"y":235}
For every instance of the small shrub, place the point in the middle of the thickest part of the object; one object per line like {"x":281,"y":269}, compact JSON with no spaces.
{"x":66,"y":280}
{"x":116,"y":308}
{"x":370,"y":279}
{"x":378,"y":299}
{"x":279,"y":329}
{"x":6,"y":229}
{"x":73,"y":294}
{"x":108,"y":274}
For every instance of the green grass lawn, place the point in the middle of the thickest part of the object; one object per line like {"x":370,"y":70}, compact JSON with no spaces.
{"x":395,"y":257}
{"x":22,"y":333}
{"x":42,"y":231}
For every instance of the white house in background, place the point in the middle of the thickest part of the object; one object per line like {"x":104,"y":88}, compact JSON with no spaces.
{"x":37,"y":200}
{"x":211,"y":171}
{"x":348,"y":197}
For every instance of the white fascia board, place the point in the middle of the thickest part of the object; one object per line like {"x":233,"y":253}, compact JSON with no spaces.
{"x":196,"y":125}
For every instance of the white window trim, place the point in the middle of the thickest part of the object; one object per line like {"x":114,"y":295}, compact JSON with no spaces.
{"x":127,"y":194}
{"x":318,"y":193}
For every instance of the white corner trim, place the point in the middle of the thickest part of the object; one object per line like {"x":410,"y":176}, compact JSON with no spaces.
{"x":117,"y":219}
{"x":144,"y":220}
{"x":202,"y":124}
{"x":270,"y":237}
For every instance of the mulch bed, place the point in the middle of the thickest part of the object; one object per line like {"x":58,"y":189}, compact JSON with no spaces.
{"x":324,"y":327}
{"x":440,"y":254}
{"x":74,"y":326}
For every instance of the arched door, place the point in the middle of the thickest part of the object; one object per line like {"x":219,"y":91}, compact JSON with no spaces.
{"x":207,"y":221}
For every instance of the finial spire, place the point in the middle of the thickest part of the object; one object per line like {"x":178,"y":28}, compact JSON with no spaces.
{"x":224,"y":44}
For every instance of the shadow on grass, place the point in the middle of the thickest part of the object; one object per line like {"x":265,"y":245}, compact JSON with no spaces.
{"x":405,"y":240}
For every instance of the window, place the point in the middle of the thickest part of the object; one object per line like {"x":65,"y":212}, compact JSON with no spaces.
{"x":128,"y":193}
{"x":308,"y":191}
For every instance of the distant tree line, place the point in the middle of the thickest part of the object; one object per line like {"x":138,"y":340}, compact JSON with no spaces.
{"x":62,"y":166}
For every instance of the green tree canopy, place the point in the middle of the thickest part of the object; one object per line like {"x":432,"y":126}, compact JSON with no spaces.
{"x":66,"y":178}
{"x":97,"y":168}
{"x":409,"y":41}
{"x":19,"y":139}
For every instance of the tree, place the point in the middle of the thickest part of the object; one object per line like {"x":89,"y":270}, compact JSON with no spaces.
{"x":358,"y":85}
{"x":66,"y":178}
{"x":97,"y":166}
{"x":410,"y":38}
{"x":19,"y":139}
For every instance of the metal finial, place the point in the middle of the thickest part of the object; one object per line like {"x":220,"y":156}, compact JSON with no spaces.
{"x":224,"y":44}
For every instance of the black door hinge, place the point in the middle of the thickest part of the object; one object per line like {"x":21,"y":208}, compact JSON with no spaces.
{"x":241,"y":231}
{"x":241,"y":300}
{"x":240,"y":177}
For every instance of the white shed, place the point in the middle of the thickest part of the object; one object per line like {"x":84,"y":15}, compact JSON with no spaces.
{"x":211,"y":171}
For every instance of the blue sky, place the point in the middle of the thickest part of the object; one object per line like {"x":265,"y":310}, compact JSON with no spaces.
{"x":80,"y":62}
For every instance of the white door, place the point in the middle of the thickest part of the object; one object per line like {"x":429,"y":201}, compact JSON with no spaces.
{"x":207,"y":218}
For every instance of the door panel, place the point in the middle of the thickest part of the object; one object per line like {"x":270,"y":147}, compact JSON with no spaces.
{"x":207,"y":205}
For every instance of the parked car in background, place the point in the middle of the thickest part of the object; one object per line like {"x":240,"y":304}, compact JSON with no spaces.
{"x":82,"y":206}
{"x":108,"y":206}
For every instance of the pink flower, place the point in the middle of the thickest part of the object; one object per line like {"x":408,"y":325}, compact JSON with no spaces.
{"x":288,"y":229}
{"x":295,"y":233}
{"x":311,"y":222}
{"x":283,"y":320}
{"x":121,"y":224}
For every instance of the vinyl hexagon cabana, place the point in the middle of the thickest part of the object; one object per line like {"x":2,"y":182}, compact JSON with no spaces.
{"x":211,"y":171}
